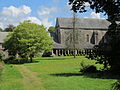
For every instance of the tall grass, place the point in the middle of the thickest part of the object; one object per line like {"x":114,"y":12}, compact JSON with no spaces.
{"x":62,"y":73}
{"x":1,"y":68}
{"x":11,"y":79}
{"x":57,"y":73}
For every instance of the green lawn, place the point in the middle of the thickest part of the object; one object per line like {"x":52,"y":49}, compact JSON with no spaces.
{"x":53,"y":73}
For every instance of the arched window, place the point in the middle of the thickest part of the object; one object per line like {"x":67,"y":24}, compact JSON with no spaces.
{"x":96,"y":37}
{"x":87,"y":38}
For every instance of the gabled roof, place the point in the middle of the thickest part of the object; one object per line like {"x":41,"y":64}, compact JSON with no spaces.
{"x":83,"y":23}
{"x":2,"y":36}
{"x":58,"y":46}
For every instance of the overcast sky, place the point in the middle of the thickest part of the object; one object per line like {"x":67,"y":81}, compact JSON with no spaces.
{"x":39,"y":11}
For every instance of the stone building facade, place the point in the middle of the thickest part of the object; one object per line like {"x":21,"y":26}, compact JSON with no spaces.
{"x":89,"y":33}
{"x":2,"y":36}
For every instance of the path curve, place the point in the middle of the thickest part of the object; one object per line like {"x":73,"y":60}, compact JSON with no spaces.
{"x":30,"y":79}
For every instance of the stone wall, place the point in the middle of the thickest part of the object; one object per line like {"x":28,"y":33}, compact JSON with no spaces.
{"x":65,"y":36}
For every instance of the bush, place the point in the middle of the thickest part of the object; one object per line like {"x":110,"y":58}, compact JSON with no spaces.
{"x":1,"y":56}
{"x":87,"y":68}
{"x":47,"y":54}
{"x":13,"y":60}
{"x":116,"y":85}
{"x":91,"y":56}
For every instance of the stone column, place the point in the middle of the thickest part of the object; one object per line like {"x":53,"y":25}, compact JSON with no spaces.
{"x":62,"y":52}
{"x":68,"y":52}
{"x":65,"y":52}
{"x":52,"y":53}
{"x":56,"y":52}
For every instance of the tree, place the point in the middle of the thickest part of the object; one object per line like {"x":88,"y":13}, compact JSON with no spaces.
{"x":28,"y":39}
{"x":112,"y":9}
{"x":51,"y":29}
{"x":9,"y":28}
{"x":1,"y":29}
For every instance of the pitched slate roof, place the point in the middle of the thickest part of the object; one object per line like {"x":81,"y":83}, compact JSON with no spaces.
{"x":81,"y":46}
{"x":83,"y":23}
{"x":2,"y":36}
{"x":58,"y":46}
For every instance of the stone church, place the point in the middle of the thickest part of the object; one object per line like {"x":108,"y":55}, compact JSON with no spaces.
{"x":88,"y":33}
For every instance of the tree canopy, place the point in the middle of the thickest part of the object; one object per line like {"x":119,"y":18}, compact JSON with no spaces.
{"x":51,"y":29}
{"x":9,"y":28}
{"x":28,"y":39}
{"x":1,"y":29}
{"x":110,"y":7}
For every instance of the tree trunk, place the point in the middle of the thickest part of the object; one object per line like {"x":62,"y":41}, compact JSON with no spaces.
{"x":31,"y":60}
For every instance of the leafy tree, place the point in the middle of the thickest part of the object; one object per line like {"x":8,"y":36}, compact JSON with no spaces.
{"x":28,"y":39}
{"x":9,"y":28}
{"x":51,"y":29}
{"x":1,"y":29}
{"x":112,"y":9}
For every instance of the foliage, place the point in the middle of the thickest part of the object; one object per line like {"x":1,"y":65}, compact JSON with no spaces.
{"x":10,"y":28}
{"x":110,"y":7}
{"x":51,"y":29}
{"x":116,"y":85}
{"x":87,"y":68}
{"x":1,"y":56}
{"x":1,"y":29}
{"x":111,"y":52}
{"x":27,"y":40}
{"x":13,"y":60}
{"x":47,"y":54}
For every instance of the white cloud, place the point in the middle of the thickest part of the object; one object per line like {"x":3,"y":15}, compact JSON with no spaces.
{"x":45,"y":14}
{"x":95,"y":15}
{"x":34,"y":20}
{"x":14,"y":15}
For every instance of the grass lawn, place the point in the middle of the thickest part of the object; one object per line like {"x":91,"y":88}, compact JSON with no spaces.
{"x":53,"y":73}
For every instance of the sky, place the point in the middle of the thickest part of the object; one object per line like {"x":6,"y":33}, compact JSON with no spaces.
{"x":38,"y":11}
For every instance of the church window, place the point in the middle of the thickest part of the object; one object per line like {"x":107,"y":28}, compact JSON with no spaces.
{"x":96,"y":38}
{"x":87,"y":38}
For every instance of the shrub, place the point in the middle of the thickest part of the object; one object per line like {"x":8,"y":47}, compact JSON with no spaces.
{"x":1,"y":56}
{"x":47,"y":54}
{"x":13,"y":60}
{"x":87,"y":68}
{"x":116,"y":85}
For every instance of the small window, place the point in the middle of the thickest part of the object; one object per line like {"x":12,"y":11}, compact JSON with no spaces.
{"x":96,"y":38}
{"x":87,"y":38}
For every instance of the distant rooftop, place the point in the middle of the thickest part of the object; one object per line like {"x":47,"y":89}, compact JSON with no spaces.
{"x":2,"y":36}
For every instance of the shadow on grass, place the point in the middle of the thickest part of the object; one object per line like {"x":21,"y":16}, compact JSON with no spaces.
{"x":101,"y":75}
{"x":52,"y":58}
{"x":66,"y":74}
